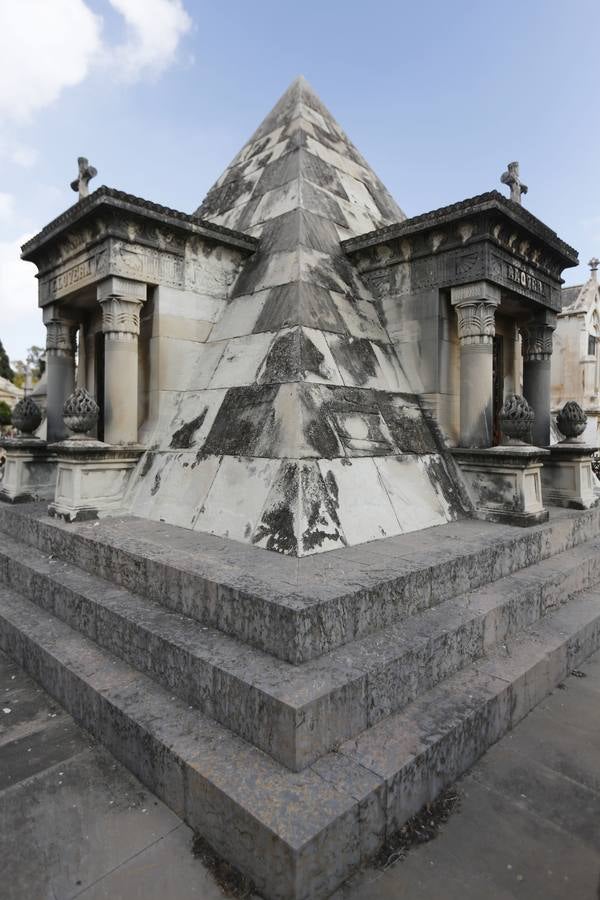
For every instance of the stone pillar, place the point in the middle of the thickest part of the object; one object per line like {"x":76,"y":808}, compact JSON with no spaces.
{"x":60,"y":369}
{"x":475,"y":306}
{"x":121,"y":300}
{"x":536,"y":338}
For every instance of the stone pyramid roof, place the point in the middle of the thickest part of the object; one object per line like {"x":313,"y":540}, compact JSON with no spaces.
{"x":308,"y":435}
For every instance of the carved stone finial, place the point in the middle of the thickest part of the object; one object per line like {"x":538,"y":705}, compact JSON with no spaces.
{"x":516,"y":418}
{"x":80,"y":412}
{"x":26,"y":416}
{"x":86,"y":173}
{"x":571,"y":420}
{"x":511,"y":178}
{"x":593,"y":264}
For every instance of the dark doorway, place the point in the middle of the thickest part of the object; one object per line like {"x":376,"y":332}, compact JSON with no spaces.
{"x":497,"y":387}
{"x":99,"y":378}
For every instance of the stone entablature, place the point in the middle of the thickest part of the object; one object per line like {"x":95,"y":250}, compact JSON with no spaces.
{"x":484,"y":238}
{"x":112,"y":233}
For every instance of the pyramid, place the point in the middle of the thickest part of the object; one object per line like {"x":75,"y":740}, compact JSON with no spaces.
{"x":306,"y":434}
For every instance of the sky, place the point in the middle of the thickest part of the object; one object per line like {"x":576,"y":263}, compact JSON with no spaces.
{"x":161,"y":94}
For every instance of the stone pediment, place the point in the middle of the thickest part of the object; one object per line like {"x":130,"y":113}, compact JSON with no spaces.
{"x":486,"y":237}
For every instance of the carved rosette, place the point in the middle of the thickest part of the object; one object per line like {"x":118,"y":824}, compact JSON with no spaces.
{"x":26,"y":416}
{"x":476,"y":324}
{"x":536,"y":341}
{"x":60,"y":338}
{"x":121,"y":318}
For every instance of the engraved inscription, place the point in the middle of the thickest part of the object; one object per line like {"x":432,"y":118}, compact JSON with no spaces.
{"x":524,"y":279}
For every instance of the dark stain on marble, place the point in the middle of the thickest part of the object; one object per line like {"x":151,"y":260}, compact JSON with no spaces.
{"x":183,"y":438}
{"x":277,"y":524}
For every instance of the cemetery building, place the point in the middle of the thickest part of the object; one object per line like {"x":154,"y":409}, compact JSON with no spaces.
{"x":576,"y":357}
{"x":297,"y":546}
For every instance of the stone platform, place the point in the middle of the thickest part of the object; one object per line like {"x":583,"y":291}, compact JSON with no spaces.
{"x":297,"y":711}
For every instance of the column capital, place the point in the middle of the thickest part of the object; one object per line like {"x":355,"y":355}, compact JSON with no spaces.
{"x":60,"y":331}
{"x":121,"y":300}
{"x":475,"y":306}
{"x":536,"y":340}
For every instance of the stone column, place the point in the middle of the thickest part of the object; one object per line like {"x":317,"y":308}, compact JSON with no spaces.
{"x":536,"y":345}
{"x":60,"y":369}
{"x":121,"y":300}
{"x":475,"y":306}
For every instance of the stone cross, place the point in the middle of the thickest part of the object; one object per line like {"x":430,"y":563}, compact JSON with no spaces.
{"x":593,"y":264}
{"x":86,"y":173}
{"x":511,"y":178}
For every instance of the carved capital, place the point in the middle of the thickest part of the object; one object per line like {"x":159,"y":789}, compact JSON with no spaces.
{"x":476,"y":321}
{"x":536,"y":338}
{"x":121,"y":316}
{"x":60,"y":337}
{"x":121,"y":300}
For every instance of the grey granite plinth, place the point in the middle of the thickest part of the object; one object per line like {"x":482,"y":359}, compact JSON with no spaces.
{"x":29,"y":470}
{"x":505,"y":482}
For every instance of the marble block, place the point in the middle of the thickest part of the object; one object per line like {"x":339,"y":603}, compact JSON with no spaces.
{"x":567,"y":477}
{"x":91,"y":479}
{"x":505,"y":483}
{"x":29,"y":471}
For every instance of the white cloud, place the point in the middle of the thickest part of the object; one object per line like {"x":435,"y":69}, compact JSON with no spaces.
{"x":44,"y":48}
{"x":17,"y":153}
{"x":7,"y":205}
{"x":155,"y":29}
{"x":49,"y":45}
{"x":20,"y":319}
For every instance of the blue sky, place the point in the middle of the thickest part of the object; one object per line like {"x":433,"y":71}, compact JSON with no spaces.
{"x":160,"y":95}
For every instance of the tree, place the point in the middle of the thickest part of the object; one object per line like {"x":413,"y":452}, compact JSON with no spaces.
{"x":35,"y":363}
{"x":5,"y":369}
{"x":5,"y":413}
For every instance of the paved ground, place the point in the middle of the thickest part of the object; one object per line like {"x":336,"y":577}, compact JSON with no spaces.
{"x":74,"y":823}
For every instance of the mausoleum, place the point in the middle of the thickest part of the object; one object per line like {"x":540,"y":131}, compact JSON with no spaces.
{"x":576,"y":357}
{"x":297,"y":547}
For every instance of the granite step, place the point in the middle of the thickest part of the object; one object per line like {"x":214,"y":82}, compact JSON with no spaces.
{"x":296,"y":713}
{"x":298,"y":836}
{"x":296,"y":609}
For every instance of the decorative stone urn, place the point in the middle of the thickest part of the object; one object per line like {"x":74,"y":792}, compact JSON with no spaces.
{"x":80,"y":412}
{"x":26,"y":416}
{"x":571,"y":420}
{"x":516,"y":418}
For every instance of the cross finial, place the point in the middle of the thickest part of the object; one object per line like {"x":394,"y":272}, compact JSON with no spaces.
{"x":511,"y":178}
{"x":593,"y":264}
{"x":86,"y":173}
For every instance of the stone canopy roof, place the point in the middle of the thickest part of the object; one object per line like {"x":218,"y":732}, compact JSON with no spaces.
{"x":105,"y":197}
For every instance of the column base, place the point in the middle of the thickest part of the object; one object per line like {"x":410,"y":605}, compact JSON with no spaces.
{"x":567,"y":478}
{"x":92,"y":478}
{"x":29,"y":471}
{"x":505,"y":483}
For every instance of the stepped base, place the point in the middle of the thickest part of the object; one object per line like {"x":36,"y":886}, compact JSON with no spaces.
{"x":402,"y":662}
{"x":297,"y":836}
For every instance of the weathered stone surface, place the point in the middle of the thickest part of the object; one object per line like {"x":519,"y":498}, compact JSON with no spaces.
{"x":308,"y":368}
{"x":298,"y":610}
{"x":296,"y":835}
